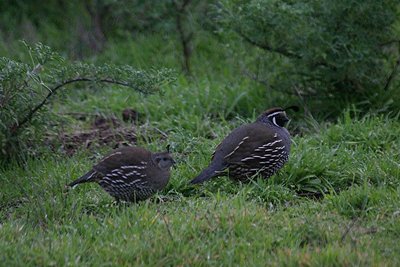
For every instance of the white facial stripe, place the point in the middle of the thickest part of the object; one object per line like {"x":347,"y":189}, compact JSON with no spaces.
{"x":274,"y":121}
{"x":275,"y":113}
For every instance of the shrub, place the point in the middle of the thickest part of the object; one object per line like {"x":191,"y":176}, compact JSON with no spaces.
{"x":320,"y":47}
{"x":25,"y":89}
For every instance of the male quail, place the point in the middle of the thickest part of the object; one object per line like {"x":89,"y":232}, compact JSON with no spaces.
{"x":130,"y":173}
{"x":261,"y":147}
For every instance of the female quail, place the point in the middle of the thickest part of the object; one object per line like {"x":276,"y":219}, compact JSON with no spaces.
{"x":130,"y":173}
{"x":261,"y":148}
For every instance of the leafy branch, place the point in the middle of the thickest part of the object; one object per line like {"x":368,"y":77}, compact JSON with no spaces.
{"x":26,"y":88}
{"x":30,"y":114}
{"x":267,"y":47}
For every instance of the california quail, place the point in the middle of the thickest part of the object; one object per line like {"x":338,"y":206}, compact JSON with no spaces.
{"x":261,"y":147}
{"x":130,"y":173}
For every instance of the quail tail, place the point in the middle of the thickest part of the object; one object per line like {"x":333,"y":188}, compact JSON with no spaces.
{"x":210,"y":172}
{"x":88,"y":177}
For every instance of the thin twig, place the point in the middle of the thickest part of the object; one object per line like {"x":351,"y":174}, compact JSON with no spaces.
{"x":268,"y":47}
{"x":167,"y":226}
{"x":307,"y":111}
{"x":281,"y":50}
{"x":164,"y":134}
{"x":255,"y":78}
{"x":53,"y":90}
{"x":392,"y":75}
{"x":390,"y":42}
{"x":78,"y":114}
{"x":349,"y":227}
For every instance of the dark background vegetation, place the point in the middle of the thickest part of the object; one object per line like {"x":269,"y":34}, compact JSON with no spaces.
{"x":79,"y":78}
{"x":326,"y":56}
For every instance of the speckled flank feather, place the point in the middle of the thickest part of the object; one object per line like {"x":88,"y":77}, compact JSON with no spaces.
{"x":130,"y":173}
{"x":264,"y":160}
{"x":128,"y":183}
{"x":261,"y":147}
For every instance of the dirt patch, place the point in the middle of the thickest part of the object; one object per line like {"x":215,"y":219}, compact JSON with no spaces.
{"x":103,"y":131}
{"x":96,"y":138}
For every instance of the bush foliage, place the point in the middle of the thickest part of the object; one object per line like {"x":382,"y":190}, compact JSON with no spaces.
{"x":320,"y":47}
{"x":25,"y":88}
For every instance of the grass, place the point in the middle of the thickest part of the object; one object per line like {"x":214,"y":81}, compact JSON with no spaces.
{"x":354,"y":164}
{"x":223,"y":230}
{"x":336,"y":202}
